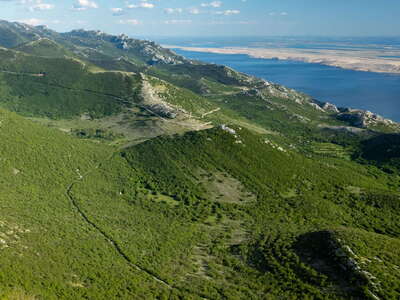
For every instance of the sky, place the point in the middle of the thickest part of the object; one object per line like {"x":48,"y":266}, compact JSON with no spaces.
{"x":147,"y":18}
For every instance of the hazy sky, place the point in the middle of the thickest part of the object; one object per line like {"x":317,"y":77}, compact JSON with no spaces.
{"x":212,"y":18}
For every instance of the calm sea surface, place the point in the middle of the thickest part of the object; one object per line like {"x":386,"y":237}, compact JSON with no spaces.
{"x":379,"y":93}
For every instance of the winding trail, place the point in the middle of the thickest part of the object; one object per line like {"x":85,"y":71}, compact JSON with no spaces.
{"x":105,"y":235}
{"x":68,"y":192}
{"x":108,"y":238}
{"x":210,"y":112}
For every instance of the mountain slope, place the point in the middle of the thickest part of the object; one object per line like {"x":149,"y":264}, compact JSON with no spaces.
{"x":235,"y":95}
{"x":142,"y":174}
{"x":60,"y":87}
{"x":44,"y":47}
{"x":48,"y":250}
{"x":14,"y":34}
{"x":384,"y":150}
{"x":186,"y":226}
{"x":250,"y":225}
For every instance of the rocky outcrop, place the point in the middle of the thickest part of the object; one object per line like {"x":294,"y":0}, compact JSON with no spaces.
{"x":153,"y":103}
{"x":163,"y":110}
{"x":348,"y":261}
{"x":252,"y":93}
{"x":325,"y":106}
{"x":328,"y":254}
{"x":363,"y":118}
{"x":317,"y":107}
{"x":329,"y":107}
{"x":355,"y":117}
{"x":150,"y":52}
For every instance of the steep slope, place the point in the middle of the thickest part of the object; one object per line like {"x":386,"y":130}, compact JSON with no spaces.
{"x":383,"y":150}
{"x":142,"y":52}
{"x":60,"y":87}
{"x":14,"y":34}
{"x":95,"y":46}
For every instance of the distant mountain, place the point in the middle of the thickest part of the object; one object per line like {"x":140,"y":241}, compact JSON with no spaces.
{"x":132,"y":172}
{"x":14,"y":34}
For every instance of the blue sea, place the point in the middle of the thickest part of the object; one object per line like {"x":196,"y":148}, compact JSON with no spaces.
{"x":377,"y":92}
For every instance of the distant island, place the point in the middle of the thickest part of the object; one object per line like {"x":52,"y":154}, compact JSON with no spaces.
{"x":379,"y":61}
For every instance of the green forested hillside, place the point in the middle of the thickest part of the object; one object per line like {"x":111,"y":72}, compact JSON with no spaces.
{"x":286,"y":197}
{"x":14,"y":34}
{"x":142,"y":175}
{"x":61,"y":87}
{"x":383,"y":150}
{"x":181,"y":214}
{"x":44,"y":47}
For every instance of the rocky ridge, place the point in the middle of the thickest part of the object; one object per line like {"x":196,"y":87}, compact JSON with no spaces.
{"x":150,"y":51}
{"x":355,"y":117}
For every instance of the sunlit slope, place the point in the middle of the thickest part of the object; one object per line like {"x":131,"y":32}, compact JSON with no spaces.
{"x":13,"y":34}
{"x":225,"y":212}
{"x":44,"y":47}
{"x":91,"y":75}
{"x":217,"y":213}
{"x":60,"y":87}
{"x":270,"y":194}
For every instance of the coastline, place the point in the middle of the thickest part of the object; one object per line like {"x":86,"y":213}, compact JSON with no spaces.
{"x":357,"y":60}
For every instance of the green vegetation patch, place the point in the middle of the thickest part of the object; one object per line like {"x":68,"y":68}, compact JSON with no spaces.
{"x":329,"y":149}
